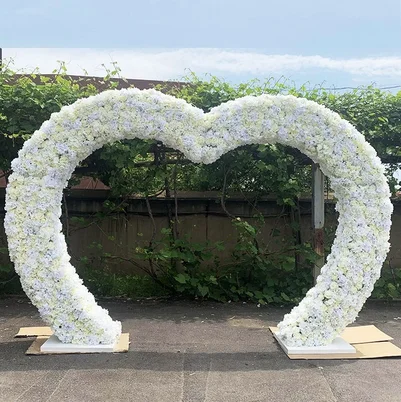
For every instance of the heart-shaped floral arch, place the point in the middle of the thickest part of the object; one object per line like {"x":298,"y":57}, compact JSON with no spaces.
{"x":47,"y":160}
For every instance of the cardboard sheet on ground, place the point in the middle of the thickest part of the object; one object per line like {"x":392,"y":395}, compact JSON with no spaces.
{"x":121,"y":347}
{"x":26,"y":332}
{"x":364,"y":334}
{"x":369,"y":342}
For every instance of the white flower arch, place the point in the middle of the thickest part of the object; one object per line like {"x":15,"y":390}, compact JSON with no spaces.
{"x":47,"y":160}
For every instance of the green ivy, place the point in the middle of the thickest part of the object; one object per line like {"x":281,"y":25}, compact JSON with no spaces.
{"x":175,"y":264}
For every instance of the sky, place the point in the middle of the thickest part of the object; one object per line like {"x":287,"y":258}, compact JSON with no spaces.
{"x":337,"y":43}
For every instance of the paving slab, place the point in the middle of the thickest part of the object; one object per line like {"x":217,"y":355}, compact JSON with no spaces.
{"x":193,"y":352}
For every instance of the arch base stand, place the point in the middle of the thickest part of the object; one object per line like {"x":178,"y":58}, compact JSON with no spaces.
{"x":54,"y":345}
{"x":46,"y":343}
{"x":359,"y":342}
{"x":338,"y":346}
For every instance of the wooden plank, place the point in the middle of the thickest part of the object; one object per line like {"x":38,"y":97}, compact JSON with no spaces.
{"x":318,"y":217}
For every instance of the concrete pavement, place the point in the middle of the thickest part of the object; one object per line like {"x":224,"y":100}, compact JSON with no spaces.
{"x":193,"y":352}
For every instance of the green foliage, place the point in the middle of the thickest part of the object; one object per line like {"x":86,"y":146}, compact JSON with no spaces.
{"x":187,"y":269}
{"x":175,"y":264}
{"x":388,"y":287}
{"x":27,"y":100}
{"x":9,"y":281}
{"x":105,"y":283}
{"x":142,"y":167}
{"x":375,"y":113}
{"x":182,"y":267}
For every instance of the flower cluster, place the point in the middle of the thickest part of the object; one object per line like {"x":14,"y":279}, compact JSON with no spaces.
{"x":48,"y":158}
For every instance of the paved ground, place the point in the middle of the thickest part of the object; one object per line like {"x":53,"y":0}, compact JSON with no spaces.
{"x":193,"y":352}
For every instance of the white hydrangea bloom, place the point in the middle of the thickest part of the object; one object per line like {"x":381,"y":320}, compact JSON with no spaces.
{"x":47,"y":160}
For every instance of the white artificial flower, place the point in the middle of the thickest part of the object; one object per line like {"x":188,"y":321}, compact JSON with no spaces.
{"x":48,"y":158}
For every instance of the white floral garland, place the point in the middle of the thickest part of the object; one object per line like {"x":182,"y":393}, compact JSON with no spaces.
{"x":47,"y":160}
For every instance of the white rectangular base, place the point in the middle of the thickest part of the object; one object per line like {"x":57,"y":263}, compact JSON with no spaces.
{"x":54,"y":345}
{"x":338,"y":346}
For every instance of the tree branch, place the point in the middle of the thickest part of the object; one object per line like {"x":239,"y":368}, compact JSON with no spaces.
{"x":223,"y":195}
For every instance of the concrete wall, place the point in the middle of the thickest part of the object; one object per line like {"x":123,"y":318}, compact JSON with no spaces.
{"x":201,"y":217}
